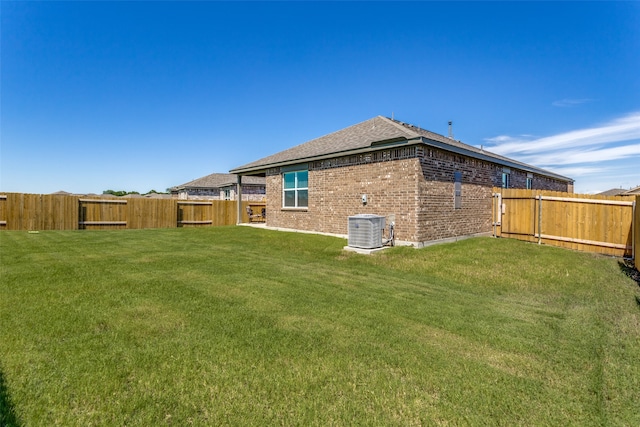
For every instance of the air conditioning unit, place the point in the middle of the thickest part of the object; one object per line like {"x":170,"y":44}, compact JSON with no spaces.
{"x":365,"y":231}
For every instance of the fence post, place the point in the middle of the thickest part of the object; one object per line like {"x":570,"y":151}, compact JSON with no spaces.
{"x":634,"y":218}
{"x":539,"y":219}
{"x":493,"y":214}
{"x":636,"y":238}
{"x":496,"y":211}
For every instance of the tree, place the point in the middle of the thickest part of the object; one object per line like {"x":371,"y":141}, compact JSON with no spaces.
{"x":119,"y":193}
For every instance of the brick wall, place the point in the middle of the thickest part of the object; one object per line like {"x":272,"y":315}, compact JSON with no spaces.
{"x":413,"y":186}
{"x":437,"y":216}
{"x":335,"y":194}
{"x":519,"y":180}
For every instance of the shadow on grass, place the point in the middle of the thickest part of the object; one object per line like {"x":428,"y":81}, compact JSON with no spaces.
{"x":7,"y":414}
{"x":629,"y":270}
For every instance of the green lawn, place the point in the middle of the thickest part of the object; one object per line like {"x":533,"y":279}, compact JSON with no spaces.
{"x":241,"y":326}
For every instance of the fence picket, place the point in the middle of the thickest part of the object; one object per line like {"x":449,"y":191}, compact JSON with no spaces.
{"x":636,"y":232}
{"x":19,"y":211}
{"x":583,"y":222}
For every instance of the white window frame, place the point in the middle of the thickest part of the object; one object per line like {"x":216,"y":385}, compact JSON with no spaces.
{"x":296,"y":189}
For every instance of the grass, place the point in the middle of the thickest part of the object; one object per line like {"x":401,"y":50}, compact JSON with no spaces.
{"x":239,"y":326}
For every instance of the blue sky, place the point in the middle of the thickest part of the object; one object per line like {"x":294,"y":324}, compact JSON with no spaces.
{"x":146,"y":95}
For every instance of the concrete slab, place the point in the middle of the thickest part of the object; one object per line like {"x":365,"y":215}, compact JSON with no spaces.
{"x":364,"y":251}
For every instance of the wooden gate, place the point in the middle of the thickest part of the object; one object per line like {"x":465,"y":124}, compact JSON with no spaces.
{"x":583,"y":222}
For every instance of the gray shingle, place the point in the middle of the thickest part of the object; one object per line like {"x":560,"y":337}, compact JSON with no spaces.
{"x":372,"y":132}
{"x":219,"y":180}
{"x":361,"y":135}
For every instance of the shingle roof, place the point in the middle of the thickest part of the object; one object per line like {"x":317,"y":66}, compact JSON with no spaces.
{"x":612,"y":192}
{"x":635,"y":190}
{"x":378,"y":131}
{"x":219,"y":180}
{"x":620,"y":192}
{"x":360,"y":135}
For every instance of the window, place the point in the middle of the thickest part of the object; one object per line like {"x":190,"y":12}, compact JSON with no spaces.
{"x":457,"y":190}
{"x":506,"y":178}
{"x":295,"y":191}
{"x":227,"y":194}
{"x":529,"y":181}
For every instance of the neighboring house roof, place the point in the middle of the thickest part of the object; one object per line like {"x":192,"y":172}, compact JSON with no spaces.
{"x":620,"y":192}
{"x":612,"y":192}
{"x":374,"y":134}
{"x":635,"y":190}
{"x":219,"y":180}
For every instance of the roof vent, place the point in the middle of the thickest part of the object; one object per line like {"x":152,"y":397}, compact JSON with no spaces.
{"x":365,"y":231}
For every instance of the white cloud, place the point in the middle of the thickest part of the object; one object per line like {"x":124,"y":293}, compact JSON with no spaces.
{"x":569,"y":102}
{"x":578,"y":171}
{"x":622,"y":129}
{"x":501,"y":139}
{"x":584,"y":156}
{"x":601,"y":157}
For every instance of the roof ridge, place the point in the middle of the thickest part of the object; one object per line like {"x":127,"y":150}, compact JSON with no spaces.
{"x":338,"y":131}
{"x":323,"y":136}
{"x":202,"y":178}
{"x":401,"y":126}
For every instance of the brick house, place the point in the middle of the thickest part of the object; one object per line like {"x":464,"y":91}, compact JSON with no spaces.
{"x":432,"y":187}
{"x":220,"y":186}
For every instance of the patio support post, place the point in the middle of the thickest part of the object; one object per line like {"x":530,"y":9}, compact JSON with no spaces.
{"x":239,"y":199}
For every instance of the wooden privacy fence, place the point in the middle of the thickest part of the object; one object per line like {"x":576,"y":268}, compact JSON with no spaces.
{"x":583,"y":222}
{"x":636,"y":237}
{"x":61,"y":212}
